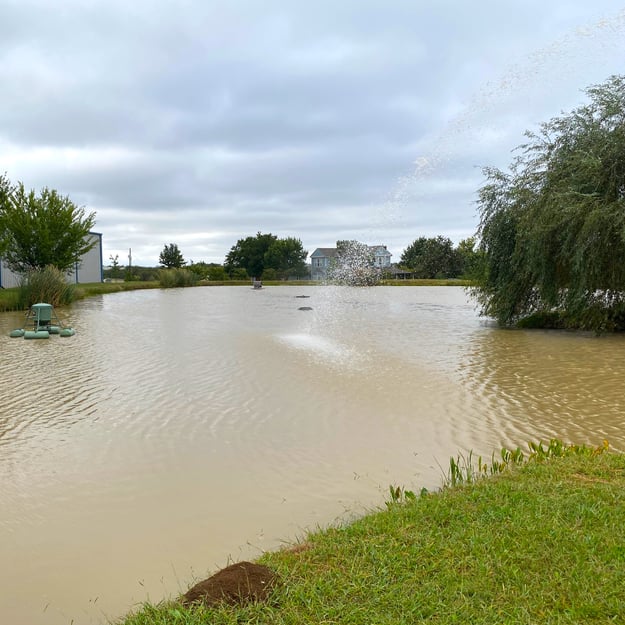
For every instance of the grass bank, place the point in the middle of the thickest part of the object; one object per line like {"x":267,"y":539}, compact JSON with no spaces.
{"x":542,"y":541}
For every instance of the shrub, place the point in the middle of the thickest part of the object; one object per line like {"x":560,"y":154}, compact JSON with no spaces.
{"x":269,"y":274}
{"x":217,"y":272}
{"x":239,"y":274}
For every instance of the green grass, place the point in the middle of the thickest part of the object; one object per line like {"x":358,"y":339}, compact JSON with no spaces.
{"x":542,"y":540}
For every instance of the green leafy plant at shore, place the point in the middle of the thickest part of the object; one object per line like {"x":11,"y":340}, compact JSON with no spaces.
{"x":400,"y":495}
{"x":462,"y":469}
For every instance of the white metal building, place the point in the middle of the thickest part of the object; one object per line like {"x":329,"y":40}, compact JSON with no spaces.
{"x":88,"y":269}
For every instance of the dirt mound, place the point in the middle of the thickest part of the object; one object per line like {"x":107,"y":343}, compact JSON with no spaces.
{"x":238,"y":583}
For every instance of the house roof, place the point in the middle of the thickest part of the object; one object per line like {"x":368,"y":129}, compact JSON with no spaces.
{"x":327,"y":252}
{"x":380,"y":250}
{"x":331,"y":252}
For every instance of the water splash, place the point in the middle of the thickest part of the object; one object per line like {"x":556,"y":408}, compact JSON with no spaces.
{"x":354,"y":265}
{"x":321,"y":349}
{"x":567,"y":64}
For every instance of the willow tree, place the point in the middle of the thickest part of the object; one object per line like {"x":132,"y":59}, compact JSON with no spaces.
{"x":552,"y":229}
{"x":41,"y":230}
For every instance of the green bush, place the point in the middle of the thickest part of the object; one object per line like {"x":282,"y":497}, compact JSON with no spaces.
{"x":47,"y":285}
{"x":176,"y":278}
{"x":239,"y":274}
{"x":217,"y":272}
{"x":269,"y":274}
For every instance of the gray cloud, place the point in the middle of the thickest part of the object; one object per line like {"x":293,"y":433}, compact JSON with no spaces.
{"x":201,"y":122}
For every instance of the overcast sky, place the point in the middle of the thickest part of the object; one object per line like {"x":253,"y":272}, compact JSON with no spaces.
{"x":200,"y":122}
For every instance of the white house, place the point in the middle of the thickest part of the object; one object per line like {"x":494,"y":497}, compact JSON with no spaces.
{"x":320,"y":261}
{"x":88,"y":269}
{"x":381,"y":256}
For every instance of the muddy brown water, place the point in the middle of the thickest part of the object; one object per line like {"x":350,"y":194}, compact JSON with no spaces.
{"x":181,"y":430}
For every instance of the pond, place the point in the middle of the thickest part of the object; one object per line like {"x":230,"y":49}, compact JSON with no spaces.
{"x":180,"y":430}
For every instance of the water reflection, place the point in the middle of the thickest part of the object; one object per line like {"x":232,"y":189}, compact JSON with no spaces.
{"x":179,"y":428}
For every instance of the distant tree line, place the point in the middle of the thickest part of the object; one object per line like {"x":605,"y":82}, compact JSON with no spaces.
{"x":436,"y":257}
{"x":268,"y":257}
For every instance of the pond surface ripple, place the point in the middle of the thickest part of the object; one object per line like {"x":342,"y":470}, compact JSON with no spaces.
{"x":181,"y":428}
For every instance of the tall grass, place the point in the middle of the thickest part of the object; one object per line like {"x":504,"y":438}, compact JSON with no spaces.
{"x":47,"y":285}
{"x":9,"y":300}
{"x":175,"y":278}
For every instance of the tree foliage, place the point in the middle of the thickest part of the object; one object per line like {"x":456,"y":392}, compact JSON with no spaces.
{"x":433,"y":257}
{"x":37,"y":231}
{"x":116,"y":268}
{"x":207,"y":271}
{"x":470,"y":258}
{"x":171,"y":257}
{"x":287,"y":257}
{"x":552,"y":230}
{"x":249,"y":254}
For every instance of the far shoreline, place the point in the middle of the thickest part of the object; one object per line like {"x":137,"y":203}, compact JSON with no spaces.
{"x":8,"y":297}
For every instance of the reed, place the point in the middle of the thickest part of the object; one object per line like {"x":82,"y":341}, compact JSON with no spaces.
{"x":45,"y":285}
{"x":175,"y":278}
{"x":9,"y":300}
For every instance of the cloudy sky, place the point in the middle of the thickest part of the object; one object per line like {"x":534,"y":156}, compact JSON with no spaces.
{"x":201,"y":122}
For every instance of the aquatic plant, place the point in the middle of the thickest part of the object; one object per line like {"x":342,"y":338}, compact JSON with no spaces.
{"x":400,"y":495}
{"x":462,"y":469}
